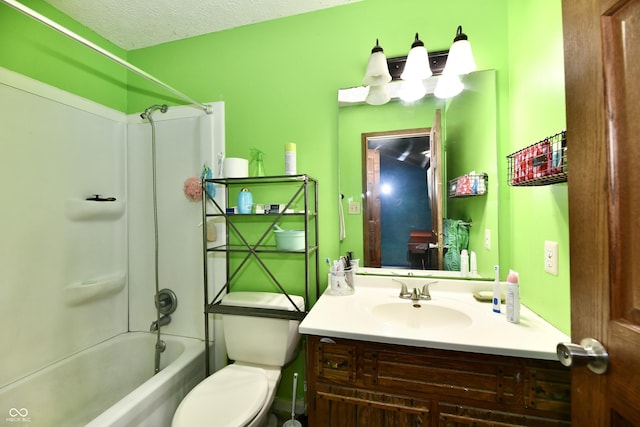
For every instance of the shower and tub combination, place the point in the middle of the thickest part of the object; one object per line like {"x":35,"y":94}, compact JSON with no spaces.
{"x":111,"y":375}
{"x":108,"y":272}
{"x":107,"y":385}
{"x":165,"y":302}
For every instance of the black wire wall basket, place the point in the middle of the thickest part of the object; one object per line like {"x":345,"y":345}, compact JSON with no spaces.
{"x":542,"y":163}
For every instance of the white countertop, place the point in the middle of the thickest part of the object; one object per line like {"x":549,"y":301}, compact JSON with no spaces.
{"x":357,"y":317}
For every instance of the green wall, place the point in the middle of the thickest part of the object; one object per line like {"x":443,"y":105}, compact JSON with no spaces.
{"x":30,"y":48}
{"x":279,"y":81}
{"x":536,"y":110}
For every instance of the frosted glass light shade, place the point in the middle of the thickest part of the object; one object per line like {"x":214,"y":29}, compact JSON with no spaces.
{"x":412,"y":90}
{"x":377,"y":69}
{"x":378,"y":95}
{"x":417,"y":66}
{"x":448,"y":86}
{"x":460,"y":60}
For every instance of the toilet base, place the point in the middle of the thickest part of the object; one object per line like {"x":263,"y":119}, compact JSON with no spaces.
{"x":235,"y":393}
{"x":273,"y":378}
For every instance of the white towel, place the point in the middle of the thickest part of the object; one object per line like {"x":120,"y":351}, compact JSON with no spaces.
{"x":343,"y":232}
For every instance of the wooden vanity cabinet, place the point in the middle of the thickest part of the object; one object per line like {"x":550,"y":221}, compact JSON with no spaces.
{"x":356,"y":383}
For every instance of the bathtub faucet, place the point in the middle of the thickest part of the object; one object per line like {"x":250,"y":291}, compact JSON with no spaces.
{"x":164,"y":320}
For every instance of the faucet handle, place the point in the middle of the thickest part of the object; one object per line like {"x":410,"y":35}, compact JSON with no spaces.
{"x":425,"y":290}
{"x":404,"y":292}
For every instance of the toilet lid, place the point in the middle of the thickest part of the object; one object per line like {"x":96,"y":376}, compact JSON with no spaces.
{"x":230,"y":397}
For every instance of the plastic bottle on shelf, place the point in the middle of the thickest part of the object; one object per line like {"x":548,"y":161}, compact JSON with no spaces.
{"x":245,"y":201}
{"x":513,"y":297}
{"x":464,"y":263}
{"x":473,"y":264}
{"x":257,"y":162}
{"x":290,"y":158}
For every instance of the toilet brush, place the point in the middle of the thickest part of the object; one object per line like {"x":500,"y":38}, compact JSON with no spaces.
{"x":293,"y":422}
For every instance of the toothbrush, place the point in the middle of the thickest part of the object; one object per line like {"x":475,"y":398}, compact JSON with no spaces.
{"x":496,"y":290}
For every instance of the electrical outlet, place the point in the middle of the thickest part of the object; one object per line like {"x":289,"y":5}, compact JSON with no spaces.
{"x":551,"y":257}
{"x":487,"y":239}
{"x":354,"y":208}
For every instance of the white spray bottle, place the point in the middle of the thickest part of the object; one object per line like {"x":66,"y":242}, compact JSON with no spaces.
{"x":513,"y":297}
{"x":496,"y":290}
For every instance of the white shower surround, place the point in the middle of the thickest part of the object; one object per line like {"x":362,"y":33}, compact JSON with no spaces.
{"x":58,"y":147}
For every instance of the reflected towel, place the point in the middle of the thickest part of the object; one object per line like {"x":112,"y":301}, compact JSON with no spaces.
{"x":343,"y":232}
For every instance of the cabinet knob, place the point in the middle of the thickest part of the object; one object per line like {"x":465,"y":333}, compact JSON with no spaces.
{"x":333,"y":364}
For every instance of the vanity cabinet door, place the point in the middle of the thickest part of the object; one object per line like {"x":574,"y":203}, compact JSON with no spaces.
{"x":334,"y":361}
{"x":462,"y":416}
{"x":455,"y":376}
{"x":338,"y":406}
{"x":356,"y":383}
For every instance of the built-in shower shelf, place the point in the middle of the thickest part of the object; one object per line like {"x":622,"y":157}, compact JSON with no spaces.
{"x":93,"y":289}
{"x":87,"y":210}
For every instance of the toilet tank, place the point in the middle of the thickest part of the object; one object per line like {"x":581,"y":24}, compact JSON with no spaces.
{"x":261,"y":340}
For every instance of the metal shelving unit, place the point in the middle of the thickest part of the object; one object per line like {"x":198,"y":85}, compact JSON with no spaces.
{"x":297,"y":188}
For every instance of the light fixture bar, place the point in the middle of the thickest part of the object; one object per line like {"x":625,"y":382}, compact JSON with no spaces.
{"x":437,"y":60}
{"x":65,"y":31}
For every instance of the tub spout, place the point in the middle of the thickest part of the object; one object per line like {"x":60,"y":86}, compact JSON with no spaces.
{"x":164,"y":320}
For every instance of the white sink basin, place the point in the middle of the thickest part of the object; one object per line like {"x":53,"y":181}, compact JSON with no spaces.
{"x":451,"y":320}
{"x":423,"y":314}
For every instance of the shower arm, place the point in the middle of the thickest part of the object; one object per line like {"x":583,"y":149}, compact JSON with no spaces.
{"x":65,"y":31}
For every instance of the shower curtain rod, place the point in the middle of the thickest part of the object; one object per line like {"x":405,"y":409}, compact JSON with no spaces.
{"x":51,"y":24}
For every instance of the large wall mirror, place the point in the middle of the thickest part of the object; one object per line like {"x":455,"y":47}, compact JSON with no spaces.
{"x":467,"y":143}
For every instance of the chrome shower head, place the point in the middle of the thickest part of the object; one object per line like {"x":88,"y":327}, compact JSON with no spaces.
{"x":149,"y":111}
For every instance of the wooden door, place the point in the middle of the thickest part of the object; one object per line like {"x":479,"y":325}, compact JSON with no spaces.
{"x":602,"y":41}
{"x":435,"y":170}
{"x":372,"y":226}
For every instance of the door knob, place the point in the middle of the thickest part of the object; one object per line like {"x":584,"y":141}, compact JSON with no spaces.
{"x":590,"y":352}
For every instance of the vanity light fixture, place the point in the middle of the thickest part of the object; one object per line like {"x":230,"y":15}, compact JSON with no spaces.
{"x":377,"y":77}
{"x":460,"y":60}
{"x":418,"y":65}
{"x":417,"y":68}
{"x":448,"y":86}
{"x":412,"y":90}
{"x":377,"y":69}
{"x":378,"y":95}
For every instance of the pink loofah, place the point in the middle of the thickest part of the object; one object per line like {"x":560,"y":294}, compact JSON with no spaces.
{"x":193,"y":189}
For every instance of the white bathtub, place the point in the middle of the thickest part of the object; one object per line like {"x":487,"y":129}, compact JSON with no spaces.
{"x":110,"y":384}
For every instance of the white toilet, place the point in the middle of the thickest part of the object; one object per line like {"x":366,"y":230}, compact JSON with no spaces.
{"x":240,"y":394}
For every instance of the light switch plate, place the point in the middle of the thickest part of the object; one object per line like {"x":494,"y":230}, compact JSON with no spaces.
{"x":354,"y":208}
{"x":487,"y":239}
{"x":551,"y":257}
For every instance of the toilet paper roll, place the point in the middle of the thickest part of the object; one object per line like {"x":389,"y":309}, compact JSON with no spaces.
{"x":235,"y":167}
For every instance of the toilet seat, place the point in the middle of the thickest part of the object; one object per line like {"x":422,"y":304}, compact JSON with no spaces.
{"x":232,"y":397}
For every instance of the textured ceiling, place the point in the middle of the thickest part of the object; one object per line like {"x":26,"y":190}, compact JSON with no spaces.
{"x":134,"y":24}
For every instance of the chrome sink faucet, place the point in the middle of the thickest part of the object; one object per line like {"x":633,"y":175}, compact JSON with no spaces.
{"x":404,"y":292}
{"x":416,"y":294}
